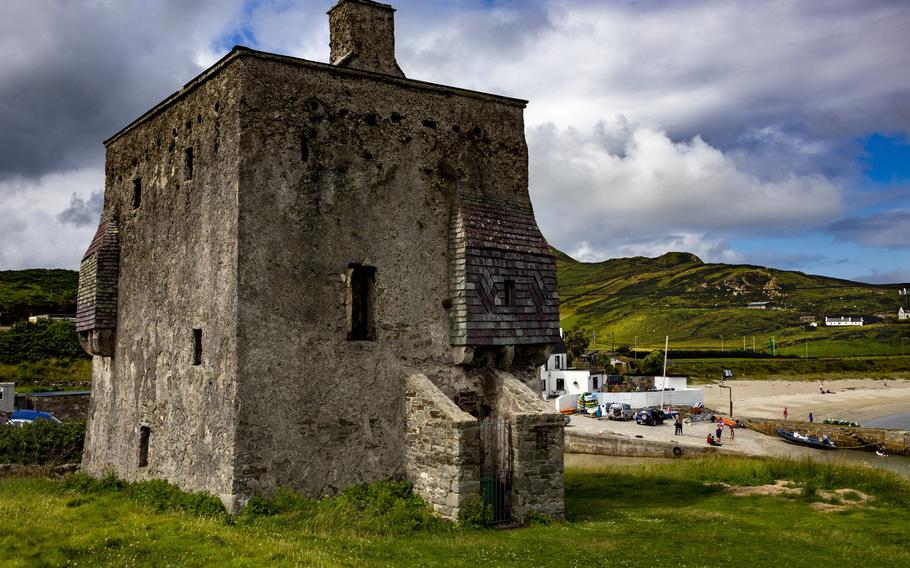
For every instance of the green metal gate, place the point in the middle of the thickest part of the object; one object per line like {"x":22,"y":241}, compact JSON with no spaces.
{"x":496,"y":471}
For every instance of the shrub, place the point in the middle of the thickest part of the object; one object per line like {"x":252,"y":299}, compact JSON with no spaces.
{"x":475,"y":513}
{"x":160,"y":495}
{"x":42,"y":443}
{"x":33,"y":342}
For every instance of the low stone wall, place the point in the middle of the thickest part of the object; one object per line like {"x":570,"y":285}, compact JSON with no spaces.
{"x":607,"y":445}
{"x":895,"y":442}
{"x":442,"y":447}
{"x":537,"y":450}
{"x":64,"y":405}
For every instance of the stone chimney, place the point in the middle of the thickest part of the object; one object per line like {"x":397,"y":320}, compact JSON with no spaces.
{"x":362,"y":36}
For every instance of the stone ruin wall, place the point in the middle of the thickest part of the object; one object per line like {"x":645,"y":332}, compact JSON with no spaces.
{"x":364,"y":172}
{"x":177,"y":272}
{"x":287,"y":190}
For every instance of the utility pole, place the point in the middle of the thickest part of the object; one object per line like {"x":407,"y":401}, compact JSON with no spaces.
{"x":753,"y":344}
{"x":730,"y":391}
{"x":744,"y":343}
{"x":635,"y":350}
{"x":807,"y":349}
{"x":721,"y":342}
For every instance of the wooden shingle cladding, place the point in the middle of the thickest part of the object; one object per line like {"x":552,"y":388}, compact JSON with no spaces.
{"x":96,"y":302}
{"x":492,"y":243}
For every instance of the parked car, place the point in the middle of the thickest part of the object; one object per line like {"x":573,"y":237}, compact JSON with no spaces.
{"x":620,"y":411}
{"x":22,"y":417}
{"x":649,"y":416}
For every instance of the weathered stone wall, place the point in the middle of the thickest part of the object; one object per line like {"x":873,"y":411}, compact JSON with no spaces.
{"x":354,"y":169}
{"x":537,"y":449}
{"x":262,"y":186}
{"x":607,"y":445}
{"x":442,"y":453}
{"x":846,"y":437}
{"x":178,"y":249}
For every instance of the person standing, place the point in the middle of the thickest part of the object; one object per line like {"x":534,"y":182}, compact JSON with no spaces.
{"x":786,"y":414}
{"x":811,"y":418}
{"x":678,"y":423}
{"x":732,"y":433}
{"x":720,"y":430}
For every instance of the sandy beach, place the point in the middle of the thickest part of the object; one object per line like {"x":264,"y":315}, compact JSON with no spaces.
{"x":851,"y":399}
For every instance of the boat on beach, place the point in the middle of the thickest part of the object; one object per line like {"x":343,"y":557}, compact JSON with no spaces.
{"x":804,"y":440}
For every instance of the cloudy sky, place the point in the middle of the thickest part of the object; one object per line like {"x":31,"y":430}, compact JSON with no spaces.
{"x":773,"y":132}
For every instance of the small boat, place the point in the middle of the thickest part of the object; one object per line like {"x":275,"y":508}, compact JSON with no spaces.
{"x":803,"y":440}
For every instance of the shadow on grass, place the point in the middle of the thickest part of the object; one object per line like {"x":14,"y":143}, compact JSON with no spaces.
{"x":599,"y":495}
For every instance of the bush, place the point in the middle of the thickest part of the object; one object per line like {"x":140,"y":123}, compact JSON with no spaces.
{"x":160,"y":495}
{"x":475,"y":513}
{"x":42,"y":443}
{"x":42,"y":340}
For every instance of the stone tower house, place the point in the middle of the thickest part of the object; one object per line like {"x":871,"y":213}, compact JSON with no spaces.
{"x":317,"y":275}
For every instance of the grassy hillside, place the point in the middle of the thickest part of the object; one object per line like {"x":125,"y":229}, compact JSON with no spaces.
{"x":37,"y":291}
{"x":696,"y":303}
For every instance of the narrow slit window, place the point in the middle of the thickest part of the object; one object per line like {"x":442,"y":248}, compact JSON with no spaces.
{"x":188,"y":154}
{"x":304,"y":147}
{"x":361,"y":280}
{"x":144,"y":433}
{"x":509,"y":299}
{"x":197,"y":346}
{"x":137,"y":193}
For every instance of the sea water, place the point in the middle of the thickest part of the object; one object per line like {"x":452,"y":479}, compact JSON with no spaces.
{"x":895,"y":422}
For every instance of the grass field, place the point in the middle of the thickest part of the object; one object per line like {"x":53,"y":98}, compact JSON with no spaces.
{"x":48,"y":374}
{"x":812,"y":369}
{"x":673,"y":514}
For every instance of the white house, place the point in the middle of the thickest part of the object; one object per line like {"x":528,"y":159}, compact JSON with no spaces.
{"x":557,"y":379}
{"x":903,"y":314}
{"x":843,"y":320}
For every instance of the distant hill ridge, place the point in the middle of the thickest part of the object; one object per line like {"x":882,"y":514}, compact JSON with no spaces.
{"x":678,"y":294}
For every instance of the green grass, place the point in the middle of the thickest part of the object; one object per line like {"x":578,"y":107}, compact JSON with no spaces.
{"x":48,"y":374}
{"x":812,"y":369}
{"x":673,"y":514}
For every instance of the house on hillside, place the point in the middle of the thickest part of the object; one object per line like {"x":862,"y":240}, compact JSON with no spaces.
{"x":903,"y":314}
{"x":843,"y":321}
{"x":52,"y":317}
{"x":759,"y":305}
{"x":281,"y":238}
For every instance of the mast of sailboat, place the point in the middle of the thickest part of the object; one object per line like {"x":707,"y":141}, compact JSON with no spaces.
{"x":664,"y":381}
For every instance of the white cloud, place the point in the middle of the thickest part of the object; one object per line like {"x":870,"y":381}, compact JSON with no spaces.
{"x":31,"y":230}
{"x":622,"y":188}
